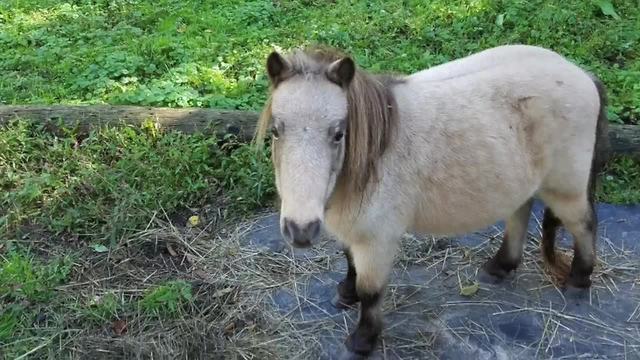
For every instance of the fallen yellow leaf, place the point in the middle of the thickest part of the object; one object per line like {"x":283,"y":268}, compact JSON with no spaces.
{"x":194,"y":220}
{"x":469,"y":290}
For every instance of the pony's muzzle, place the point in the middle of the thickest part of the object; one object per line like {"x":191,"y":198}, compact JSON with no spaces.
{"x":300,"y":235}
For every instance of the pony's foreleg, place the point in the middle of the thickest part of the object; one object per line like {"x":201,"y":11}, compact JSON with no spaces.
{"x":510,"y":253}
{"x":346,"y":292}
{"x":373,"y":260}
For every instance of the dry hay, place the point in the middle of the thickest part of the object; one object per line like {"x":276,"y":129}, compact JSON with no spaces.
{"x":230,"y":316}
{"x":237,"y":310}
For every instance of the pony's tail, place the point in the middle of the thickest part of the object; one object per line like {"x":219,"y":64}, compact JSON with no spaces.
{"x":558,"y":263}
{"x":602,"y":146}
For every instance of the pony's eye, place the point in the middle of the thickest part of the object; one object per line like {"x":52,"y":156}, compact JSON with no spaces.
{"x":274,"y":132}
{"x":338,"y":136}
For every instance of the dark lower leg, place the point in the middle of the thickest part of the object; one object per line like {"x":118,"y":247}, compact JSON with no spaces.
{"x":500,"y":265}
{"x":364,"y":339}
{"x":581,"y":270}
{"x":373,"y":261}
{"x":584,"y":254}
{"x":346,"y":294}
{"x":508,"y":256}
{"x":550,"y":224}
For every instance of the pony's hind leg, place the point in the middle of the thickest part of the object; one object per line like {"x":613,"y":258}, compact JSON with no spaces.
{"x":578,"y":216}
{"x":346,"y":294}
{"x":550,"y":223}
{"x":510,"y":253}
{"x":584,"y":250}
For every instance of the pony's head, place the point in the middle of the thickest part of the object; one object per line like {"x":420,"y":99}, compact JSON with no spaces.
{"x":329,"y":124}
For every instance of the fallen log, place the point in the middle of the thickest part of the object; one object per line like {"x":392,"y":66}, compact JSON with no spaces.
{"x":187,"y":120}
{"x":624,"y":139}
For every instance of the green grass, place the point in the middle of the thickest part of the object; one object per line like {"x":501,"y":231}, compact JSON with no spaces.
{"x":36,"y":311}
{"x":27,"y":285}
{"x":166,"y":299}
{"x":211,"y":53}
{"x":113,"y":181}
{"x":620,"y":184}
{"x":23,"y":278}
{"x":89,"y":196}
{"x":102,"y":309}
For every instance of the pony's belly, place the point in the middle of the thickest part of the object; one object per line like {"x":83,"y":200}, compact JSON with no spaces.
{"x":451,"y":227}
{"x":448,"y":221}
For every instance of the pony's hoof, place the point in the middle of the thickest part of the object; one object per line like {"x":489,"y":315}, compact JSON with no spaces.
{"x":576,"y":293}
{"x":579,"y":282}
{"x":350,"y":355}
{"x":341,"y":302}
{"x":485,"y":277}
{"x":362,"y":342}
{"x":577,"y":288}
{"x":492,"y":274}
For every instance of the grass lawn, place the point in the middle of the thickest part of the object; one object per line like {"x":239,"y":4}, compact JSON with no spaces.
{"x":211,"y":53}
{"x":95,"y":231}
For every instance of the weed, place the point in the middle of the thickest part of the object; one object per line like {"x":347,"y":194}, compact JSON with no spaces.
{"x":23,"y":278}
{"x":247,"y":174}
{"x":166,"y":299}
{"x":102,"y":309}
{"x":10,"y":321}
{"x":26,"y":285}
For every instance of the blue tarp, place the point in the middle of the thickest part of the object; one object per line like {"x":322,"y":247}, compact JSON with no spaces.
{"x":523,"y":317}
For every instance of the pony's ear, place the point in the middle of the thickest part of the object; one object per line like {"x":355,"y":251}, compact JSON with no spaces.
{"x":342,"y":71}
{"x":277,"y":67}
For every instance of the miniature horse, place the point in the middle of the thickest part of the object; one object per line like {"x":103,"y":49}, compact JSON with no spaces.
{"x":447,"y":150}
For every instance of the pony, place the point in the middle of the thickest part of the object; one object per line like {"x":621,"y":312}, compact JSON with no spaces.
{"x":445,"y":151}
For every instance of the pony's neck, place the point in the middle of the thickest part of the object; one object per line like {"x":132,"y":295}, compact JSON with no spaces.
{"x":342,"y":210}
{"x":372,"y":119}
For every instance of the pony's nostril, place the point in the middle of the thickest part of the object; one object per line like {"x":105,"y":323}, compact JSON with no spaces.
{"x":285,"y":231}
{"x":291,"y":230}
{"x":313,"y":229}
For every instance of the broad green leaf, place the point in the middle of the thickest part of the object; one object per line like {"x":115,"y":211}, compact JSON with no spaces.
{"x":99,"y":248}
{"x":607,"y":8}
